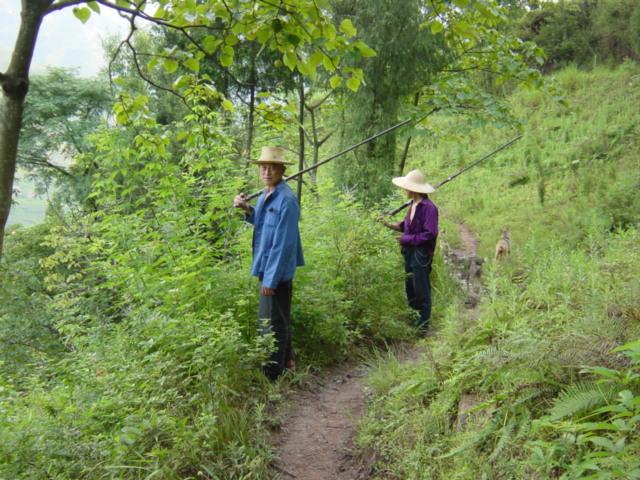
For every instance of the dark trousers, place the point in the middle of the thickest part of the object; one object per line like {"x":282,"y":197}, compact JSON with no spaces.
{"x":274,"y":314}
{"x":417,"y":266}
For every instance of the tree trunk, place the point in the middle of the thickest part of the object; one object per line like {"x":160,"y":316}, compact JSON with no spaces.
{"x":252,"y":106}
{"x":301,"y":139}
{"x":407,"y":144}
{"x":15,"y":83}
{"x":313,"y":174}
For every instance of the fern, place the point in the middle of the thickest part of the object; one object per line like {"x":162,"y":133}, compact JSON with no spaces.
{"x":474,"y":439}
{"x":507,"y":432}
{"x":581,"y":398}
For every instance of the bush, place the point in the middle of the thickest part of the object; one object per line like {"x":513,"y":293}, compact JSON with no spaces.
{"x":29,"y":338}
{"x":355,"y":294}
{"x":582,"y":32}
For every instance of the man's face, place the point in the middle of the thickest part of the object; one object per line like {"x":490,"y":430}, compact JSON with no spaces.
{"x":271,"y":173}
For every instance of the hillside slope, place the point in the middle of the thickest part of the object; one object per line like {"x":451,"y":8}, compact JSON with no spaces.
{"x":533,"y":388}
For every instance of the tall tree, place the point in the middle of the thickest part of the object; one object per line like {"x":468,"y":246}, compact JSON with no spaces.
{"x":60,"y":111}
{"x":405,"y":56}
{"x":286,"y":27}
{"x":437,"y":48}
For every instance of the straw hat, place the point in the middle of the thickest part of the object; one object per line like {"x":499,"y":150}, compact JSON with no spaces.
{"x":272,"y":155}
{"x":414,"y":182}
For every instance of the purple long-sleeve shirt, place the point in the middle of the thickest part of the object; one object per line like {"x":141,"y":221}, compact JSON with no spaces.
{"x":423,"y":230}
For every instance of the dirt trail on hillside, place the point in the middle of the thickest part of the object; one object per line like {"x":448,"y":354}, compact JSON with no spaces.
{"x":467,"y":265}
{"x":315,"y":440}
{"x":469,"y":241}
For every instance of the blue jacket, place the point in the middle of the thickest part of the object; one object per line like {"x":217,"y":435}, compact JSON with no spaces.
{"x":277,"y":249}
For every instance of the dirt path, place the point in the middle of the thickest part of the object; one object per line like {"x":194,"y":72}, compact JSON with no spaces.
{"x":315,"y":441}
{"x":469,"y":241}
{"x":466,"y":265}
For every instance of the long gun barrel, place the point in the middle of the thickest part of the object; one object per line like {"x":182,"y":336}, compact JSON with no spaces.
{"x":451,"y":177}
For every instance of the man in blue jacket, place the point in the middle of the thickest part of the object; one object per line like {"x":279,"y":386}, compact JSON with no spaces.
{"x":277,"y":251}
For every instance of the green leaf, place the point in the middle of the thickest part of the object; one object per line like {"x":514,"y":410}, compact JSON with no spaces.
{"x":626,"y":398}
{"x":94,"y":6}
{"x":306,"y":69}
{"x":353,"y":83}
{"x":160,"y":13}
{"x":170,"y":65}
{"x":264,"y":34}
{"x":192,"y":64}
{"x":328,"y":64}
{"x":293,"y":39}
{"x":364,"y":49}
{"x":290,"y":60}
{"x":316,"y":58}
{"x":210,"y":43}
{"x":231,"y":40}
{"x":122,"y":117}
{"x":181,"y":81}
{"x":436,"y":26}
{"x":347,"y":28}
{"x":602,"y":442}
{"x":226,"y":59}
{"x":465,"y":30}
{"x":628,"y":347}
{"x":335,"y":81}
{"x":461,"y":3}
{"x":329,"y":32}
{"x":227,"y":105}
{"x":82,"y":13}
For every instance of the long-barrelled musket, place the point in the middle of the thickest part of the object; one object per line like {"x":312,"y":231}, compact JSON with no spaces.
{"x":451,"y":177}
{"x":346,"y":150}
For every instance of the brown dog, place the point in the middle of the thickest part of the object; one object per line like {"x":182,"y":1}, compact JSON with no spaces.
{"x":503,"y":247}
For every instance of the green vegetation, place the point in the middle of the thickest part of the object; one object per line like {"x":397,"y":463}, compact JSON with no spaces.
{"x":550,"y":390}
{"x":128,"y":340}
{"x":584,"y":32}
{"x":152,"y":368}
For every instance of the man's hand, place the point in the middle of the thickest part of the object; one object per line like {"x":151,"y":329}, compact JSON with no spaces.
{"x":266,"y":291}
{"x":240,"y":201}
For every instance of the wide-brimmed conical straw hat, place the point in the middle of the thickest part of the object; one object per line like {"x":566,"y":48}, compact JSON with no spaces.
{"x":414,"y":182}
{"x":272,"y":155}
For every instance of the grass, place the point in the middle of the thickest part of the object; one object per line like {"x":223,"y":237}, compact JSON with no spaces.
{"x":565,"y":297}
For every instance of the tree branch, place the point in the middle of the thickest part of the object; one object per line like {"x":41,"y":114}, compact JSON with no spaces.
{"x":329,"y":135}
{"x":63,"y":4}
{"x":32,"y":160}
{"x":319,"y":102}
{"x":127,"y":42}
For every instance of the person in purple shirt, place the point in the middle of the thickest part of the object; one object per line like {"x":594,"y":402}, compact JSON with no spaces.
{"x":418,"y":240}
{"x":277,"y":252}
